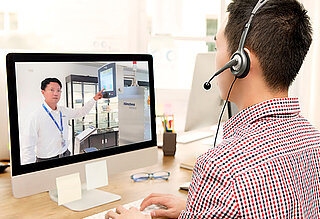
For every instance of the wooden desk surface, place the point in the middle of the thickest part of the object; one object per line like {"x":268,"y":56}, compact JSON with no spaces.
{"x":41,"y":206}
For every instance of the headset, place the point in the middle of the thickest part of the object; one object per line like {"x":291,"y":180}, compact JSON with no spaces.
{"x":239,"y":63}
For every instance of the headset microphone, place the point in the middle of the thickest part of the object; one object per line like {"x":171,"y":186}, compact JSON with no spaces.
{"x":231,"y":63}
{"x":240,"y":61}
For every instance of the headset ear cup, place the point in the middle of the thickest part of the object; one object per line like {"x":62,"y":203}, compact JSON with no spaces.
{"x":246,"y":71}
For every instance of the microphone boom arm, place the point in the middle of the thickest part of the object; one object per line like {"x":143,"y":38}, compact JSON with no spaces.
{"x":231,"y":63}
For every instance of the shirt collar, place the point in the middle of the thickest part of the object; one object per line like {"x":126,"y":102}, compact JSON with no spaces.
{"x":278,"y":107}
{"x":49,"y":108}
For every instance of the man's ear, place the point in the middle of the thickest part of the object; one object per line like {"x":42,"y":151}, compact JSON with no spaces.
{"x":248,"y":51}
{"x":42,"y":91}
{"x":250,"y":57}
{"x":254,"y":61}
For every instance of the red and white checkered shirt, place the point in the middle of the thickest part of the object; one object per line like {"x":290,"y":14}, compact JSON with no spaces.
{"x":268,"y":166}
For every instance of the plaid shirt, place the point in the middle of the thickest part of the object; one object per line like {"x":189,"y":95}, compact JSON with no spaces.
{"x":268,"y":166}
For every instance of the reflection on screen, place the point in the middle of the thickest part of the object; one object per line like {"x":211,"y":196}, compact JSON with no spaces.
{"x":78,"y":124}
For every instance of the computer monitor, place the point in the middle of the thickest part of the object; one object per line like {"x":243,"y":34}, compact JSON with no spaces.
{"x":107,"y":80}
{"x":128,"y":136}
{"x":204,"y":106}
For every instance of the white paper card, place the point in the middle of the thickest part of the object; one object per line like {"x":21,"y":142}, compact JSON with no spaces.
{"x":68,"y":188}
{"x":96,"y":174}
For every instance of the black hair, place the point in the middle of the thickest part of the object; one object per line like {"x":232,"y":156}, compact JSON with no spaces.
{"x":47,"y":81}
{"x":280,"y":36}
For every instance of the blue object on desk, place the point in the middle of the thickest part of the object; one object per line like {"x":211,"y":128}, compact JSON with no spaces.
{"x":139,"y":177}
{"x":87,"y":150}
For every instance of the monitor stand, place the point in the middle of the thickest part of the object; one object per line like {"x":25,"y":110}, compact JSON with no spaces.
{"x":90,"y":199}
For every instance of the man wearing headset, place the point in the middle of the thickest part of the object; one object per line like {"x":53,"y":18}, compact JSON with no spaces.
{"x":268,"y":163}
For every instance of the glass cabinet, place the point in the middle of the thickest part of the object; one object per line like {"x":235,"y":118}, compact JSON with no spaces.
{"x":103,"y":116}
{"x":79,"y":91}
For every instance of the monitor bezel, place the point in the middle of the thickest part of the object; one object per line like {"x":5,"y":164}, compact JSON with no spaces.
{"x":12,"y":58}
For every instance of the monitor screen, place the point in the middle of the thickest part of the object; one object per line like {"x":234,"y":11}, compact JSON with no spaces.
{"x":107,"y":80}
{"x":54,"y":124}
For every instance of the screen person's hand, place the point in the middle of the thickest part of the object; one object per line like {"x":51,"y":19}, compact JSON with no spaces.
{"x":99,"y":95}
{"x":173,"y":203}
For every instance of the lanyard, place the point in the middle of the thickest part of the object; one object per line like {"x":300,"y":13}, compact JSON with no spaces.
{"x":60,"y":129}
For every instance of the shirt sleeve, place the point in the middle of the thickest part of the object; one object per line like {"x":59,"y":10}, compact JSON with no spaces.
{"x":211,"y":193}
{"x":73,"y":113}
{"x":28,"y":141}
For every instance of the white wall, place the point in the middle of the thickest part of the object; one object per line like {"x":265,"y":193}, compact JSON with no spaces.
{"x":306,"y":86}
{"x":77,"y":25}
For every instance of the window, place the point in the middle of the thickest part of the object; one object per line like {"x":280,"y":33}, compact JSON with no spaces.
{"x":212,"y":29}
{"x":179,"y":30}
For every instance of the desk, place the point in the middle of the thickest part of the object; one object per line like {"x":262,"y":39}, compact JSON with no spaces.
{"x":41,"y":206}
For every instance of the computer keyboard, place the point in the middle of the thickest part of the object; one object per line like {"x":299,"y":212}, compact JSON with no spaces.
{"x":187,"y":137}
{"x":136,"y":204}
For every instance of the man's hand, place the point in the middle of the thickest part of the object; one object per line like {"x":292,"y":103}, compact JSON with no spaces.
{"x":174,"y":205}
{"x":123,"y":213}
{"x":99,"y":95}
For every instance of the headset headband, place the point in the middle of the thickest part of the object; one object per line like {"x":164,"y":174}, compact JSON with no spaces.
{"x":241,"y":69}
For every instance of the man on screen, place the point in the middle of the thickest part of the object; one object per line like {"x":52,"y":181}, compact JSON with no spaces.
{"x":46,"y":134}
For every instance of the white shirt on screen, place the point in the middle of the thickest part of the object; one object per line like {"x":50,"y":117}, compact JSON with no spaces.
{"x":41,"y":137}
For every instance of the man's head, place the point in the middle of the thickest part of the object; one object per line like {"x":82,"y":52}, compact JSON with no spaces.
{"x":51,"y":90}
{"x":279,"y":36}
{"x":47,"y":81}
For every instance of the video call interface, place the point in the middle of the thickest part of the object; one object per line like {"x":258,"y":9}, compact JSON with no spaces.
{"x":65,"y":121}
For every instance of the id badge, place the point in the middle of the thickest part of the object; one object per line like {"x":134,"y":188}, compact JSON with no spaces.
{"x":63,"y":144}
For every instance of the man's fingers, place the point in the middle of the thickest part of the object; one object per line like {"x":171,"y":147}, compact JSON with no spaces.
{"x":120,"y":209}
{"x":100,"y":92}
{"x":146,"y":202}
{"x":111,"y":214}
{"x":152,"y":195}
{"x":99,"y":95}
{"x":153,"y":200}
{"x":160,"y":213}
